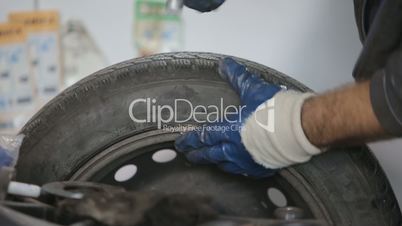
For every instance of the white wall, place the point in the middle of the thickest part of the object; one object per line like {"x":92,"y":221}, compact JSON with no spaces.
{"x":314,"y":41}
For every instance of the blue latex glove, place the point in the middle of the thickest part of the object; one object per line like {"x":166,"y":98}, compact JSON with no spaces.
{"x":224,"y":148}
{"x":5,"y":158}
{"x":203,"y":5}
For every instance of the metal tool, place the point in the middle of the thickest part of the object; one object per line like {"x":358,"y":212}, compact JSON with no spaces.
{"x":174,"y":6}
{"x":76,"y":189}
{"x":7,"y":186}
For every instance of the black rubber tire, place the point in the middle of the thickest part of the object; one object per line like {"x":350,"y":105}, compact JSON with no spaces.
{"x":93,"y":114}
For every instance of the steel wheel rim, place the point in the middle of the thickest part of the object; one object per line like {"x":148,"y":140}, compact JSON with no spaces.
{"x":141,"y":144}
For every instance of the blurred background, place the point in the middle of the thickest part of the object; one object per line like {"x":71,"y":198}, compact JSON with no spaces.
{"x":42,"y":53}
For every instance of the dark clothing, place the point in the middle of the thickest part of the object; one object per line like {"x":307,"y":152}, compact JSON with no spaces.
{"x":365,"y":11}
{"x":386,"y":82}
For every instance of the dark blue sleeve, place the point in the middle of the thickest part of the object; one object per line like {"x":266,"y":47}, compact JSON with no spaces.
{"x":203,"y":5}
{"x":386,"y":94}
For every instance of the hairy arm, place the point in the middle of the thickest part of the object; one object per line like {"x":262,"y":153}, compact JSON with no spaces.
{"x":287,"y":128}
{"x":343,"y":116}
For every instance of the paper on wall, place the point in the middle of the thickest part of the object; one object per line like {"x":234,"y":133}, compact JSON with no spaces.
{"x":17,"y":97}
{"x":156,"y":29}
{"x":43,"y":38}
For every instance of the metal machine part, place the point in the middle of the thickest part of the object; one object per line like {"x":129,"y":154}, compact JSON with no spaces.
{"x":74,"y":190}
{"x":155,"y":166}
{"x":90,"y":204}
{"x":255,"y":222}
{"x":159,"y":169}
{"x":6,"y":174}
{"x":174,"y":6}
{"x":67,"y":209}
{"x":289,"y":213}
{"x":238,"y":195}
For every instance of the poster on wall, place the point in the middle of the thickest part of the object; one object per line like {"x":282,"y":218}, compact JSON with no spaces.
{"x":43,"y":40}
{"x":156,"y":29}
{"x":17,"y":96}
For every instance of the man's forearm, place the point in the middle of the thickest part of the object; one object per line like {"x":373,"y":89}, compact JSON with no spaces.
{"x":343,"y":116}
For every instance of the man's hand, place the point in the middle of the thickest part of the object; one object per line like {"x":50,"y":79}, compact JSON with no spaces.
{"x":224,"y":147}
{"x":265,"y":136}
{"x":203,"y":5}
{"x":342,"y":117}
{"x":279,"y":128}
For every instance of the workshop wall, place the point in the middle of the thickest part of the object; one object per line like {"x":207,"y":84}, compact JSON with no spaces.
{"x":314,"y":41}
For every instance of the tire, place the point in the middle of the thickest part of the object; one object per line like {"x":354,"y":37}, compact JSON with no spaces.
{"x":93,"y":115}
